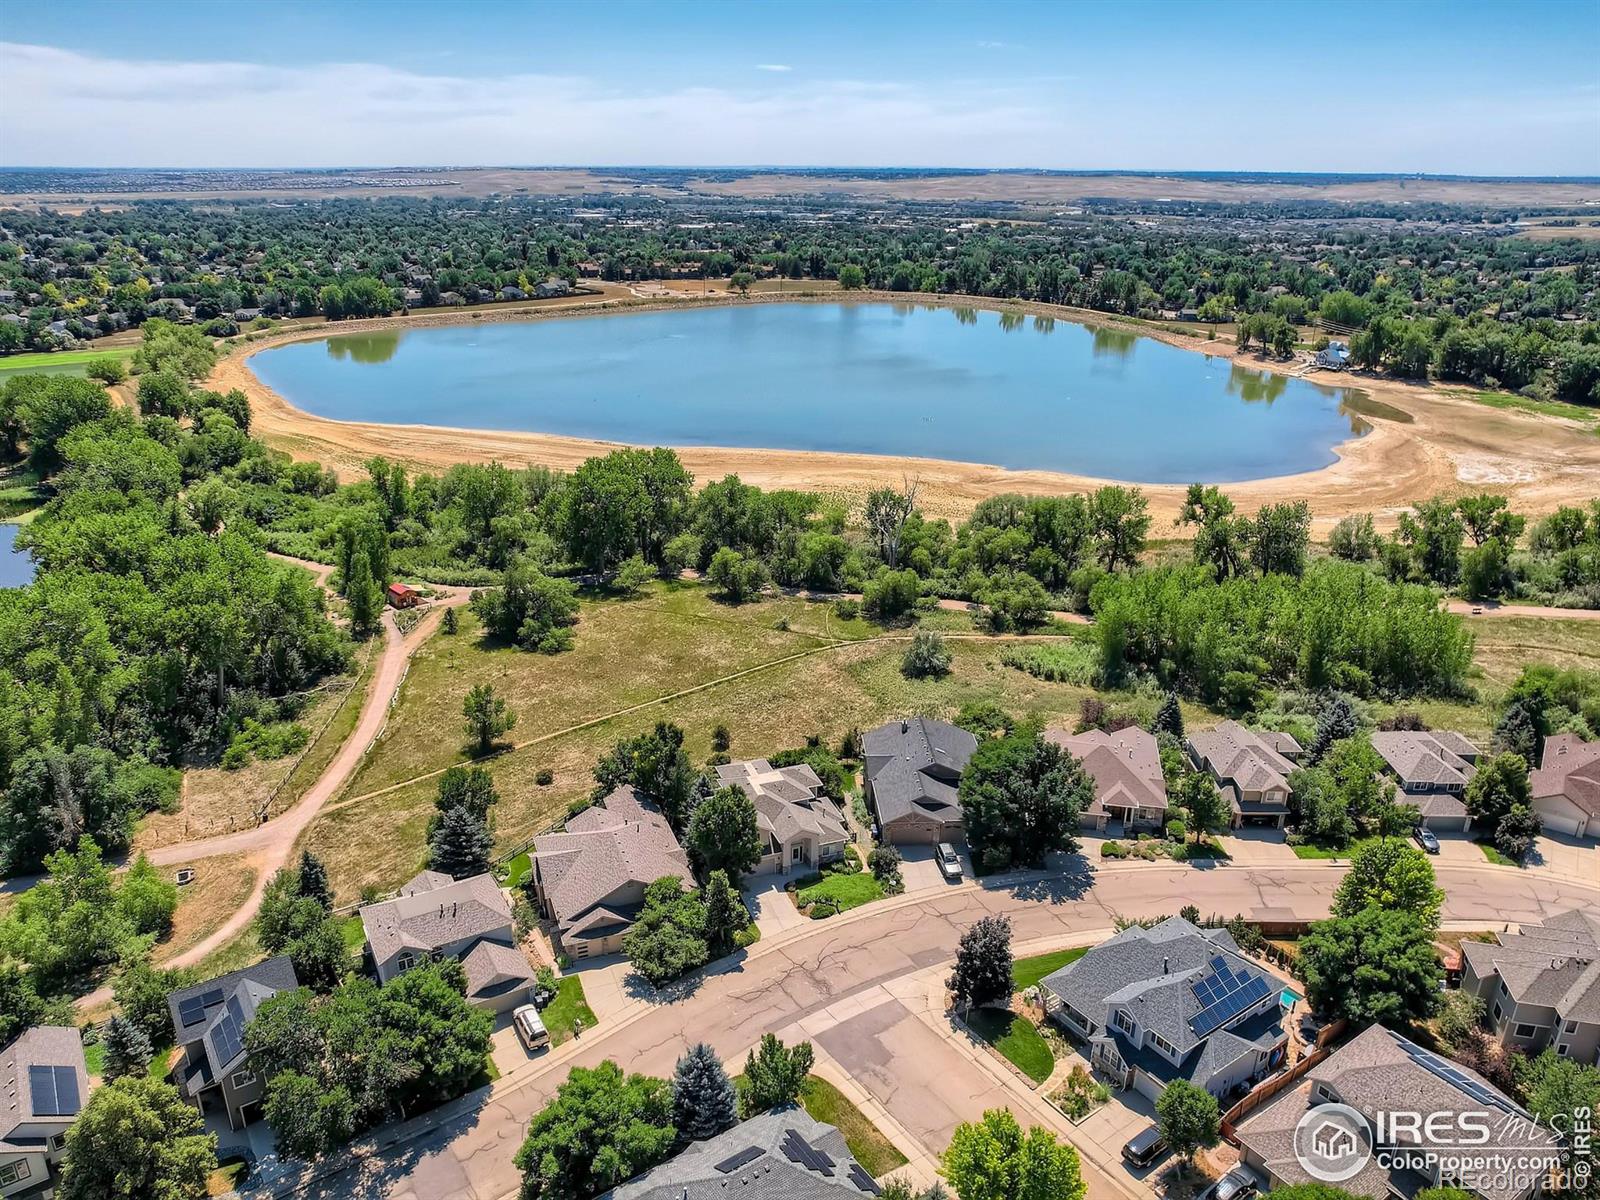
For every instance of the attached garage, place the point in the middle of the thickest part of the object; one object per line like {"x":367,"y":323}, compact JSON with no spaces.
{"x":1560,"y":817}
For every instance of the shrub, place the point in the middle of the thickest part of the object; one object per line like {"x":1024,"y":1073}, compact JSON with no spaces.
{"x":926,"y":657}
{"x":545,"y":777}
{"x":846,"y":609}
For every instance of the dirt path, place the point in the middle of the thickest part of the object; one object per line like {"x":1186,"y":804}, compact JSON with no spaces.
{"x":1493,"y":608}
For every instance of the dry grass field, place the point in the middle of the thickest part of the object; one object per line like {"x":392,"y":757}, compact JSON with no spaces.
{"x":221,"y":885}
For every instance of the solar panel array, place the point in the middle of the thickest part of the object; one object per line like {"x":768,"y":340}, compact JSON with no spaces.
{"x":797,"y":1150}
{"x":1223,"y":993}
{"x":193,"y":1010}
{"x":864,"y":1181}
{"x":748,"y":1155}
{"x":228,"y":1034}
{"x":54,"y":1091}
{"x":1456,"y":1077}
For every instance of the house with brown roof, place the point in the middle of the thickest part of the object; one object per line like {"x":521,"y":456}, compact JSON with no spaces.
{"x":1540,"y":986}
{"x":803,"y":829}
{"x":1380,"y":1072}
{"x":1251,"y":768}
{"x":913,"y":769}
{"x":44,"y":1084}
{"x":469,"y":920}
{"x":590,"y":880}
{"x":1129,"y":787}
{"x":1565,"y":790}
{"x":1431,"y":770}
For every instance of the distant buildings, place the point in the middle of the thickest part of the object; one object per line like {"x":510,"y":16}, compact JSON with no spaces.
{"x":802,"y":828}
{"x":913,"y":767}
{"x":44,"y":1084}
{"x":1335,"y":356}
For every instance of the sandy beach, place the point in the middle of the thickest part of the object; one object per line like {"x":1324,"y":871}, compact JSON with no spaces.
{"x":1451,"y":444}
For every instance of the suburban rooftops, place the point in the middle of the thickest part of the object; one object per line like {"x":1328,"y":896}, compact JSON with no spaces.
{"x":429,"y":914}
{"x":196,"y":1009}
{"x":1125,"y":766}
{"x":42,"y":1079}
{"x":914,"y":766}
{"x":1552,"y":964}
{"x":788,"y":800}
{"x":1423,"y":759}
{"x":1569,"y":767}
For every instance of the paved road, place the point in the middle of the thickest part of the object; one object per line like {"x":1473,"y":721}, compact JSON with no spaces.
{"x":797,"y":976}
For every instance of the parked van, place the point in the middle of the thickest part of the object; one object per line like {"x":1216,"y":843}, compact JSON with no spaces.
{"x":530,"y":1028}
{"x":1145,"y":1147}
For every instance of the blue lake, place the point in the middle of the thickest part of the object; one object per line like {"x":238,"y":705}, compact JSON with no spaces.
{"x":874,"y":378}
{"x":16,"y":568}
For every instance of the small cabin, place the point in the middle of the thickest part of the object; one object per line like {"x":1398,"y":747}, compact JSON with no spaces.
{"x":400,"y":596}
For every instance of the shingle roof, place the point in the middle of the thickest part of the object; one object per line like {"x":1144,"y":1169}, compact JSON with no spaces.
{"x":904,"y":762}
{"x":788,"y":800}
{"x":780,"y":1155}
{"x":1553,"y":964}
{"x":427,"y":920}
{"x":40,"y":1046}
{"x":1251,"y":761}
{"x":1425,"y":759}
{"x":1125,"y":766}
{"x":1569,"y":767}
{"x":493,"y":969}
{"x":271,"y":975}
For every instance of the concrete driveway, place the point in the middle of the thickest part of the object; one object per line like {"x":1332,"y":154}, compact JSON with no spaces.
{"x":1253,"y":846}
{"x":919,"y":867}
{"x":770,"y":906}
{"x":1559,"y":854}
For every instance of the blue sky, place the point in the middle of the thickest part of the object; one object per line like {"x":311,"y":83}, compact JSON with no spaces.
{"x":1469,"y":87}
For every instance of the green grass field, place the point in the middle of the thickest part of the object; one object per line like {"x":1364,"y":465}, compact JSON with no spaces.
{"x":1017,"y":1039}
{"x":569,"y":1007}
{"x":62,"y":362}
{"x":1025,"y":972}
{"x":843,"y":892}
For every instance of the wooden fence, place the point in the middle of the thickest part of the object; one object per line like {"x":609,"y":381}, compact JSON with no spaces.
{"x":1326,"y":1037}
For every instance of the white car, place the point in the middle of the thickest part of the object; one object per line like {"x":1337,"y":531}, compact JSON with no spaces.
{"x":530,"y":1028}
{"x":949,"y":861}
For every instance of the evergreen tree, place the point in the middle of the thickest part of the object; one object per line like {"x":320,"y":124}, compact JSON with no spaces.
{"x":774,"y":1074}
{"x":128,"y":1050}
{"x":703,"y":1100}
{"x":461,"y":844}
{"x":726,"y":915}
{"x":364,"y":596}
{"x":1336,"y":721}
{"x":314,"y":880}
{"x":983,"y":963}
{"x":450,"y":623}
{"x":1169,"y":717}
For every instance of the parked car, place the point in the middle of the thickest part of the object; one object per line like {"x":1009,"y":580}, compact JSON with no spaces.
{"x":949,"y":861}
{"x":530,"y":1028}
{"x":1145,"y":1147}
{"x":1426,"y":840}
{"x":1237,"y":1184}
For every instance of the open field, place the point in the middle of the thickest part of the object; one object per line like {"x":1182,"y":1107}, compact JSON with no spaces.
{"x":61,"y":362}
{"x":1450,"y":443}
{"x":220,"y":887}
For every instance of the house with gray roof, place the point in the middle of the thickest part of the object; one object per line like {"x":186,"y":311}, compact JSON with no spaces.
{"x":44,"y":1084}
{"x":469,"y":920}
{"x":1565,"y":790}
{"x":208,"y":1022}
{"x":1251,"y":768}
{"x":780,"y":1155}
{"x":1171,"y":1002}
{"x":1540,"y":986}
{"x":590,"y":880}
{"x":913,"y":769}
{"x":802,"y":828}
{"x":1431,"y":770}
{"x":1130,"y":790}
{"x":1381,"y":1072}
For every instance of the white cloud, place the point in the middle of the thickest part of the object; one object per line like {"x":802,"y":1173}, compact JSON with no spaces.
{"x":773,"y":67}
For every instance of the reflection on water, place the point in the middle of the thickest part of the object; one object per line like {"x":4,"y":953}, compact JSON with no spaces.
{"x":1256,"y":387}
{"x":1010,"y":321}
{"x":967,"y":316}
{"x":1355,"y":404}
{"x":1044,"y":324}
{"x":365,"y":347}
{"x":16,"y":566}
{"x":1113,"y":343}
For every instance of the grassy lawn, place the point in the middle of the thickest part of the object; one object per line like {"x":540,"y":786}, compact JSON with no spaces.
{"x":220,"y":887}
{"x":826,"y":1103}
{"x":844,"y":891}
{"x":1544,"y":408}
{"x":62,"y":362}
{"x":1017,"y":1039}
{"x":517,"y":871}
{"x":568,"y":1006}
{"x":226,"y":1178}
{"x":94,"y":1059}
{"x":1306,"y":850}
{"x":353,"y":932}
{"x":1025,"y":972}
{"x":1494,"y":856}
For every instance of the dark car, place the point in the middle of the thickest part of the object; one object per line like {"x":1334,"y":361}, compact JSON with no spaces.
{"x":1145,"y":1147}
{"x":1235,"y":1185}
{"x":1426,"y":840}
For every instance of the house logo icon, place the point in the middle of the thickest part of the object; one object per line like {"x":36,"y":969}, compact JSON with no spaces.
{"x":1332,"y":1142}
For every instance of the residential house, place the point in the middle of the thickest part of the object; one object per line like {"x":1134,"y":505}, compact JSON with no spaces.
{"x":400,"y":595}
{"x":802,"y":828}
{"x":1381,"y":1072}
{"x":437,"y":917}
{"x":43,"y":1086}
{"x":1335,"y":356}
{"x":1565,"y":790}
{"x":781,"y":1155}
{"x":913,"y":769}
{"x":1129,"y":789}
{"x":1432,"y":770}
{"x":1540,"y":986}
{"x":552,"y":288}
{"x":1251,"y":768}
{"x":590,"y":880}
{"x":208,"y":1022}
{"x":1171,"y":1002}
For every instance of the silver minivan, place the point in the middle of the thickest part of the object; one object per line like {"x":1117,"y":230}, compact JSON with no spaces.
{"x":949,"y":861}
{"x":530,"y":1028}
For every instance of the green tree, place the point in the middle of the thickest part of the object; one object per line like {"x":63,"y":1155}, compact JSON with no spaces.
{"x":1199,"y":798}
{"x":462,"y":845}
{"x":127,"y":1047}
{"x":487,"y":717}
{"x":633,"y":575}
{"x":723,"y":833}
{"x":1021,"y":797}
{"x":1392,"y":875}
{"x":891,"y":594}
{"x":737,"y":577}
{"x":851,"y":277}
{"x":927,"y":656}
{"x":725,"y":915}
{"x":364,"y":596}
{"x":668,"y":937}
{"x":741,"y":281}
{"x":773,"y":1074}
{"x":1563,"y":1093}
{"x":704,"y":1102}
{"x":1497,"y":796}
{"x":135,"y":1139}
{"x":982,"y":972}
{"x":308,"y":1119}
{"x":602,"y":1128}
{"x":163,"y":394}
{"x":529,"y":609}
{"x":1189,"y":1118}
{"x":141,"y":991}
{"x":1121,"y":523}
{"x":312,"y":879}
{"x":653,"y":762}
{"x":1169,"y":717}
{"x":1378,"y":965}
{"x":992,"y":1159}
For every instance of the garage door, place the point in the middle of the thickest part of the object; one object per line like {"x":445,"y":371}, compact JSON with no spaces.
{"x":1147,"y":1086}
{"x":1445,"y":824}
{"x":1559,"y":824}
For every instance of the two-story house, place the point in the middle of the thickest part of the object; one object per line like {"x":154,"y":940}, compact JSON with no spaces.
{"x":1379,"y":1072}
{"x":437,"y":917}
{"x":1130,"y":791}
{"x":913,"y":769}
{"x":1431,"y":770}
{"x":1251,"y":769}
{"x":590,"y":880}
{"x":1171,"y":1002}
{"x":208,"y":1021}
{"x":1565,"y":790}
{"x":1540,"y":986}
{"x":43,"y":1086}
{"x":802,"y":829}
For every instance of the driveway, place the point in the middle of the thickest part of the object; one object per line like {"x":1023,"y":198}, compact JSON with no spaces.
{"x":605,"y":984}
{"x":770,"y":906}
{"x":919,"y":867}
{"x":1575,"y":858}
{"x":1257,"y":847}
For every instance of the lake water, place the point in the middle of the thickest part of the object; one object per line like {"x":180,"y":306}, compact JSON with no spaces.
{"x":16,"y":568}
{"x":875,"y":378}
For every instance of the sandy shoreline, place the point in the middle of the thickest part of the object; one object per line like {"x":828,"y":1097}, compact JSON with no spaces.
{"x":1451,"y":445}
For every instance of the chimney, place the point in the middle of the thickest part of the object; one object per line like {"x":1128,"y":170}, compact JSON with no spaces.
{"x":1166,"y":966}
{"x":905,"y":725}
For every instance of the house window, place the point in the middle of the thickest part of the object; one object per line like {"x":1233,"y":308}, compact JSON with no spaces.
{"x":14,"y":1172}
{"x":1526,"y":1031}
{"x":1564,"y":1049}
{"x":405,"y":962}
{"x":58,"y":1141}
{"x":795,"y":852}
{"x":243,"y":1079}
{"x":1497,"y":1013}
{"x":1570,"y":1027}
{"x":1164,"y":1046}
{"x":1123,"y":1021}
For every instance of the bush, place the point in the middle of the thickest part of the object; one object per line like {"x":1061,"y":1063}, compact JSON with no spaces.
{"x":1177,"y":831}
{"x":545,"y":777}
{"x":106,"y":370}
{"x":846,"y":609}
{"x":1056,"y":662}
{"x":926,"y":657}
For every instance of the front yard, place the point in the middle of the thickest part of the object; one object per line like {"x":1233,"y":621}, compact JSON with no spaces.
{"x":569,"y":1007}
{"x":1026,"y":972}
{"x":1016,"y":1038}
{"x":826,"y":1103}
{"x":838,"y":892}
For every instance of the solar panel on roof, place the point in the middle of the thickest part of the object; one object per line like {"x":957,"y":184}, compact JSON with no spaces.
{"x":67,"y":1101}
{"x":214,"y":996}
{"x":1223,"y":995}
{"x":42,"y":1091}
{"x":865,"y":1182}
{"x":797,"y":1150}
{"x":748,"y":1155}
